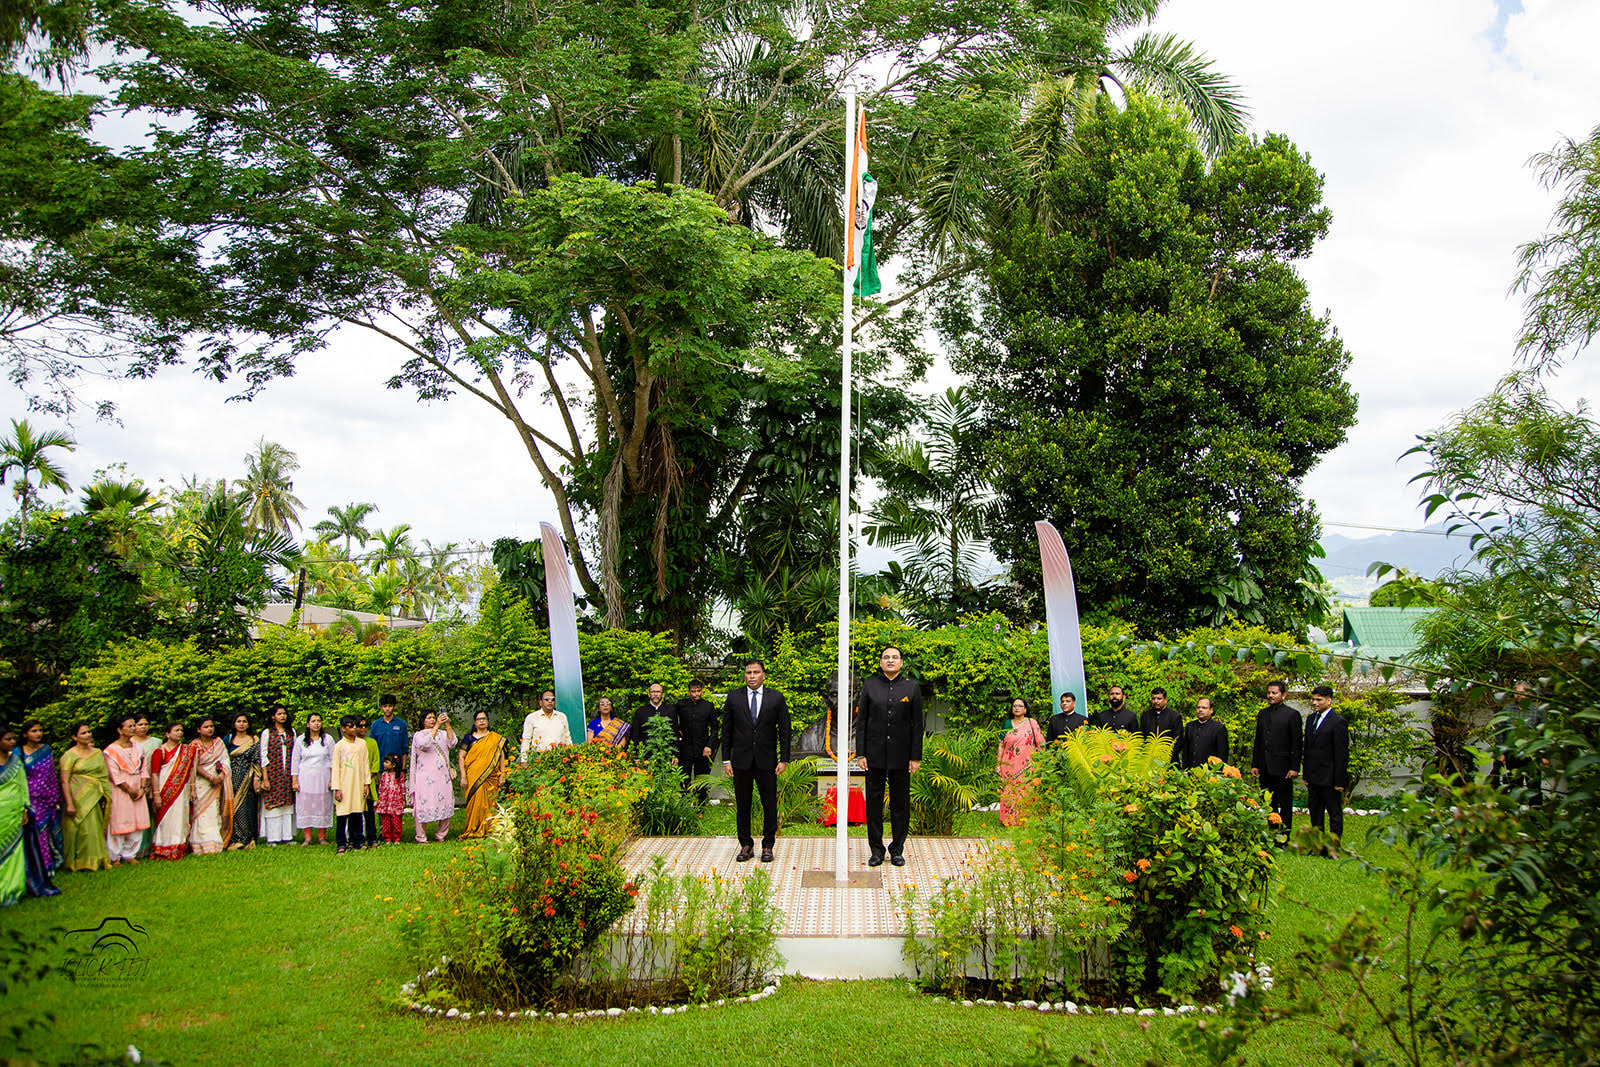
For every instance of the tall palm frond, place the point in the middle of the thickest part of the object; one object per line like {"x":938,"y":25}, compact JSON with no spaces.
{"x":1177,"y":72}
{"x":26,"y":452}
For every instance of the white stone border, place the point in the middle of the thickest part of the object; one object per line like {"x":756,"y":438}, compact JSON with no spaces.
{"x":457,"y":1015}
{"x":1235,"y":985}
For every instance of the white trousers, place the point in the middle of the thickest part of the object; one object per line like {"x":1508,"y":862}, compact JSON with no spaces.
{"x":278,"y":823}
{"x":123,"y":846}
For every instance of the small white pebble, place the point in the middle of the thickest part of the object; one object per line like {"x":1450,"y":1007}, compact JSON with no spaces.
{"x":1046,"y":1006}
{"x":966,"y":1003}
{"x":613,"y":1012}
{"x":1146,"y":1011}
{"x":1069,"y":1007}
{"x":453,"y":1013}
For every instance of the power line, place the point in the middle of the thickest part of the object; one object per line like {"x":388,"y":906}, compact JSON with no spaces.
{"x":1386,"y":529}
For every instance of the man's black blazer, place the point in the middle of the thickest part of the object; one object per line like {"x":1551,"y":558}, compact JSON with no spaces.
{"x":1277,"y":749}
{"x":1121,"y":718}
{"x":1327,"y":751}
{"x":889,"y":722}
{"x":763,"y":745}
{"x":1062,"y":724}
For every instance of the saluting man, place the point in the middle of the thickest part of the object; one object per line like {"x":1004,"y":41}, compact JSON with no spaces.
{"x":889,"y":750}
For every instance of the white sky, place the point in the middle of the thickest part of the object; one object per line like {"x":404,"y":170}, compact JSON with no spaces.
{"x":1421,"y":114}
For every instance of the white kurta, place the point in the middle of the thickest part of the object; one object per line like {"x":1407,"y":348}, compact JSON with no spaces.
{"x":313,"y":768}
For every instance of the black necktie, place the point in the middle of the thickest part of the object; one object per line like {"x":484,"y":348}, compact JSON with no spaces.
{"x":754,"y":704}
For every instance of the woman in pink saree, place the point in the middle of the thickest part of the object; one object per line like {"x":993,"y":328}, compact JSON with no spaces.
{"x":212,"y":791}
{"x":1016,"y":752}
{"x":129,"y":815}
{"x":433,"y":798}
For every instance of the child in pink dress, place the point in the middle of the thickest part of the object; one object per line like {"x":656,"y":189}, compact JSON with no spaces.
{"x":391,"y":798}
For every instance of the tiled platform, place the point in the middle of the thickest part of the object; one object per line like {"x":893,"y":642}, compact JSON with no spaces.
{"x":819,"y":912}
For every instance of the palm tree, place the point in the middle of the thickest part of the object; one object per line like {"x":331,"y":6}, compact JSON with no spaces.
{"x":347,"y":523}
{"x":393,"y":545}
{"x":268,"y":487}
{"x":936,"y":500}
{"x":108,"y":494}
{"x":24,"y":451}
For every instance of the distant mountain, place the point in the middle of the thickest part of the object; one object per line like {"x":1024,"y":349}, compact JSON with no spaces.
{"x":1428,"y":554}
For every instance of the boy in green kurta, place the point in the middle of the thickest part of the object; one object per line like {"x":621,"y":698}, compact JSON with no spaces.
{"x":352,"y":773}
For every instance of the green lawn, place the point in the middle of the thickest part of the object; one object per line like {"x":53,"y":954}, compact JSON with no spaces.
{"x":283,"y":956}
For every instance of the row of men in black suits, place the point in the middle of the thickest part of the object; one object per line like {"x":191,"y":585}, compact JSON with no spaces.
{"x":1284,"y":749}
{"x":1193,"y":742}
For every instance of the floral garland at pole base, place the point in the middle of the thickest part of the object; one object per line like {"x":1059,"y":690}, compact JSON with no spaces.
{"x":827,"y":739}
{"x":457,"y":1015}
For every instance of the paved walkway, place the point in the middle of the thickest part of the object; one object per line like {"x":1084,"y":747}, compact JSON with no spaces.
{"x":803,"y":877}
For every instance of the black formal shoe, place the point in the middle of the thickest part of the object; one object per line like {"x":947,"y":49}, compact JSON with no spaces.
{"x":746,"y":852}
{"x":898,"y":860}
{"x":875,"y":860}
{"x":766,"y":855}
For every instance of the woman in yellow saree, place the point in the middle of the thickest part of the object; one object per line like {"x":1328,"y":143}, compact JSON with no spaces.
{"x":483,"y":763}
{"x":85,"y":790}
{"x":607,"y":728}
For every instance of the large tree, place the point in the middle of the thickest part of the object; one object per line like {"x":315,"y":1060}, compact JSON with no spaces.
{"x":568,"y":212}
{"x":1155,"y":381}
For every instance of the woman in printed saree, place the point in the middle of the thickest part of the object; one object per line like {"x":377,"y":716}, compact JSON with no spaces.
{"x":607,"y":729}
{"x":129,"y":816}
{"x":277,"y":794}
{"x":1016,"y":753}
{"x":483,"y":761}
{"x":20,"y":859}
{"x":211,"y":792}
{"x":147,"y":745}
{"x":85,"y":793}
{"x":433,"y":799}
{"x":44,"y":792}
{"x":172,"y":771}
{"x":244,"y":776}
{"x":312,"y":771}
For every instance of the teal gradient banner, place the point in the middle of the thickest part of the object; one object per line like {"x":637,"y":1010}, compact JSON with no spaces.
{"x":565,"y":665}
{"x":1061,"y":620}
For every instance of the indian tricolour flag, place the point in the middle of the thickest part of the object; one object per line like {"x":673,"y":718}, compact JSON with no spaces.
{"x":861,"y":266}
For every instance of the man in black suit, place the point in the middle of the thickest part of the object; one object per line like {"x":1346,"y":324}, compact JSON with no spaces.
{"x":755,"y":750}
{"x":1327,"y":761}
{"x":1117,"y":716}
{"x":698,"y":733}
{"x":889,"y":749}
{"x":1158,"y":720}
{"x":1275,"y":759}
{"x":652,"y":717}
{"x":1203,"y":738}
{"x":1065,"y":721}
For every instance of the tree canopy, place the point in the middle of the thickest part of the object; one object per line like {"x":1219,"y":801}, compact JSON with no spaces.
{"x":1154,"y":380}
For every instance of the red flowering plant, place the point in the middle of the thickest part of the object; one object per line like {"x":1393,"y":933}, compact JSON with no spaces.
{"x":502,"y":924}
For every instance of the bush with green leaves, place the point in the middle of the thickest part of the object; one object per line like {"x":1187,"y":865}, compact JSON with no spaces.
{"x":667,"y":809}
{"x":1192,"y":850}
{"x":957,"y":774}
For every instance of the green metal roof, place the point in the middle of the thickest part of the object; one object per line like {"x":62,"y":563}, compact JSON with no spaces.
{"x":1384,"y":633}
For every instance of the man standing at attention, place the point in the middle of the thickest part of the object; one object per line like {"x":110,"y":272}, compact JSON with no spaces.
{"x":652,"y":717}
{"x":544,"y":729}
{"x":1117,"y":716}
{"x":1203,"y":738}
{"x":1158,"y":720}
{"x":1327,"y":762}
{"x":698,"y":730}
{"x":1066,"y":721}
{"x":889,"y":750}
{"x":1275,"y":758}
{"x":755,"y":750}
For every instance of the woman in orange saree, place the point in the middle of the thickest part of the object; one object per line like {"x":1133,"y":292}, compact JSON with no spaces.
{"x":483,"y":763}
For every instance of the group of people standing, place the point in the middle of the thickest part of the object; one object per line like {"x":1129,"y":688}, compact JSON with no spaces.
{"x":164,"y":795}
{"x":1284,"y":748}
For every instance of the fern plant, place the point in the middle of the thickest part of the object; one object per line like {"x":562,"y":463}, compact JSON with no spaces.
{"x":798,"y":801}
{"x":1088,"y":758}
{"x":957,"y":775}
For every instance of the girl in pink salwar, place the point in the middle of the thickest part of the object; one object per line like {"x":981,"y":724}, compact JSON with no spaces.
{"x":129,"y":816}
{"x":1016,"y":752}
{"x":433,"y":798}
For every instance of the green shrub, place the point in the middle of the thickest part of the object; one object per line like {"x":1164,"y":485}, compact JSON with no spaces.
{"x":1193,"y":851}
{"x":589,"y":777}
{"x":957,"y":774}
{"x":667,"y":809}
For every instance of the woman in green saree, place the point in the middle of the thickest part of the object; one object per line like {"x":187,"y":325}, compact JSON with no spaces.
{"x":85,"y":790}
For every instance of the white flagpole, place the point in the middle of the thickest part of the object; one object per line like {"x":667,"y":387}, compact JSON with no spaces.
{"x":841,"y":745}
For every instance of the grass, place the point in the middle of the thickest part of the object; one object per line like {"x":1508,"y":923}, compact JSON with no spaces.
{"x":286,"y":956}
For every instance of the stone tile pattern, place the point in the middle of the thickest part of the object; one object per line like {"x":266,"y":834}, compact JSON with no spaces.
{"x":827,"y":912}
